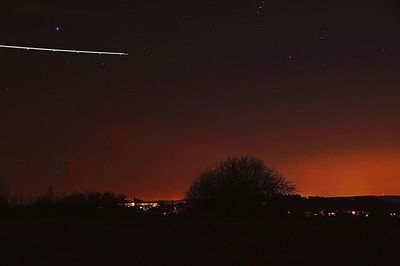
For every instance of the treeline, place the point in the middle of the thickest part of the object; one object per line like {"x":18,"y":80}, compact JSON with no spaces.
{"x":85,"y":199}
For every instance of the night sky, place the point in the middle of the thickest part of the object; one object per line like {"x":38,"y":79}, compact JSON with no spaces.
{"x":310,"y":87}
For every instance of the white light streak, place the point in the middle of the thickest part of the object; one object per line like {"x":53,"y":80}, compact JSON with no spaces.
{"x":60,"y":50}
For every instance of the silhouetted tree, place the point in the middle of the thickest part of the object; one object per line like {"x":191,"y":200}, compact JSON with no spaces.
{"x":50,"y":194}
{"x":3,"y":191}
{"x":238,"y":181}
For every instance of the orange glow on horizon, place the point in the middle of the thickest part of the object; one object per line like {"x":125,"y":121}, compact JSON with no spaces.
{"x":346,"y":173}
{"x":134,"y":164}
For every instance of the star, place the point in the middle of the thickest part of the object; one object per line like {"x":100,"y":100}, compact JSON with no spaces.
{"x":260,"y":8}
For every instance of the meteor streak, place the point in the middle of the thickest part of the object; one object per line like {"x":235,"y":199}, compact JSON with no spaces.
{"x":60,"y":50}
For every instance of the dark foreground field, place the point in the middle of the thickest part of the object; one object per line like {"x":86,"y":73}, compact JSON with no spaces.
{"x":179,"y":240}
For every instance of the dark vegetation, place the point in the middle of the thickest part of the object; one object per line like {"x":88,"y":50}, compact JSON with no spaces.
{"x":238,"y":213}
{"x":81,"y":200}
{"x":238,"y":183}
{"x":3,"y":192}
{"x":109,"y":239}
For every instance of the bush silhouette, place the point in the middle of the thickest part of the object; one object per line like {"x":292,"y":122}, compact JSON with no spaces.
{"x":238,"y":181}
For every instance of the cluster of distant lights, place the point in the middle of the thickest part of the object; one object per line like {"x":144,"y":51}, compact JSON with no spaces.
{"x":142,"y":205}
{"x":355,"y":213}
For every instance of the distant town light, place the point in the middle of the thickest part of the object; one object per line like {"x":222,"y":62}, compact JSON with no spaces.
{"x":130,"y":204}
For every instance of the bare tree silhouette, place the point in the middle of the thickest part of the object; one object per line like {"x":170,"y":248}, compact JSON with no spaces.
{"x":3,"y":191}
{"x":244,"y":181}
